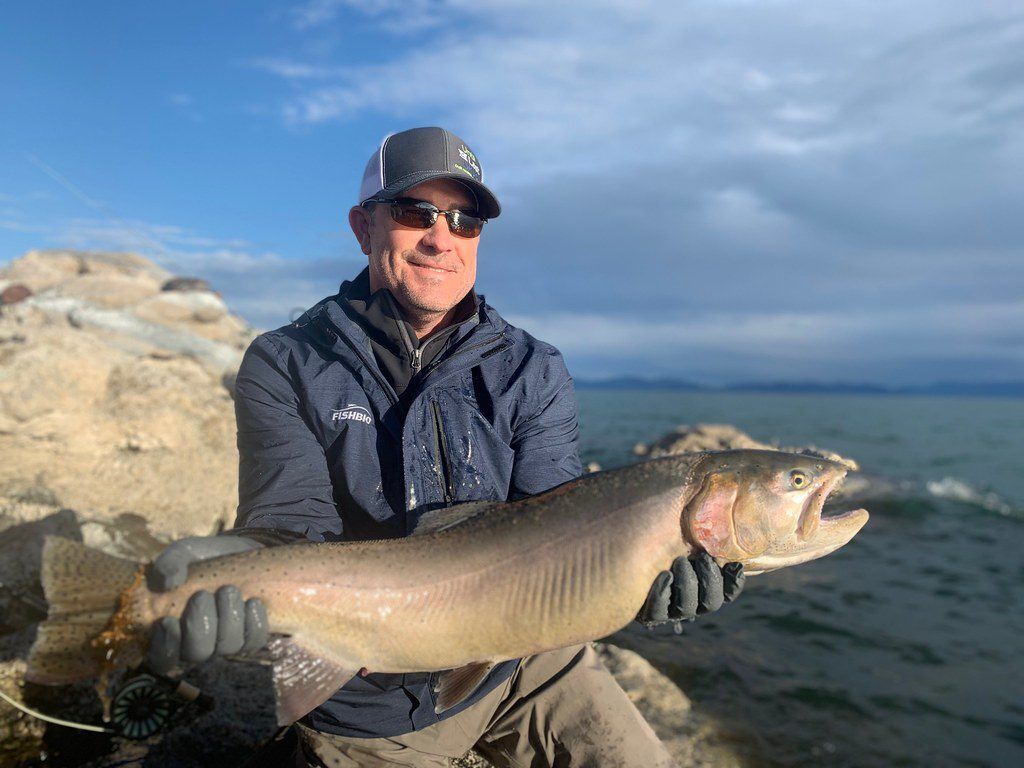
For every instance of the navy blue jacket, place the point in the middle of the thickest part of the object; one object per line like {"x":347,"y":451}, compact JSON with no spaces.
{"x":327,"y":451}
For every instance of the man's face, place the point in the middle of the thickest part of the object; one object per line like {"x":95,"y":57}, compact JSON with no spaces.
{"x":427,"y":270}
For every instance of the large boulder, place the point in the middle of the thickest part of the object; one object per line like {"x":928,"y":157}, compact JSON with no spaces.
{"x":857,"y":488}
{"x":46,"y":269}
{"x":112,"y":391}
{"x":721,"y":437}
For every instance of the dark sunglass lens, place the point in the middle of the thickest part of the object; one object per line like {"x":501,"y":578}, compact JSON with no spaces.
{"x":412,"y":215}
{"x":465,"y":224}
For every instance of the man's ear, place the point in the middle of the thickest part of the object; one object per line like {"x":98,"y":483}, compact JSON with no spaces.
{"x":359,"y":220}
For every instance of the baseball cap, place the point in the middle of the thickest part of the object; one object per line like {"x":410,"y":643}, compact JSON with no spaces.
{"x":411,"y":157}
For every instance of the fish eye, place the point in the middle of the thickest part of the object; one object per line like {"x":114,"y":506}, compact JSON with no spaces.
{"x":798,"y":479}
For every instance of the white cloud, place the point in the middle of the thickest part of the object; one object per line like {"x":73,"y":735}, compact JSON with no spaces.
{"x":548,"y":88}
{"x":792,"y":112}
{"x":185,"y":104}
{"x":289,"y":69}
{"x":399,"y":16}
{"x":787,"y":345}
{"x":745,"y":217}
{"x":316,"y":12}
{"x":15,"y":225}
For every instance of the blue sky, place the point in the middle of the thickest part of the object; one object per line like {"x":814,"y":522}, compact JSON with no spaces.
{"x":718,"y":191}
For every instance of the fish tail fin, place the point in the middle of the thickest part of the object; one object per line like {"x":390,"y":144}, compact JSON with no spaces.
{"x":85,"y":589}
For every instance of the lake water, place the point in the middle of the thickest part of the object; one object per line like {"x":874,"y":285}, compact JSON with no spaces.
{"x":906,"y":648}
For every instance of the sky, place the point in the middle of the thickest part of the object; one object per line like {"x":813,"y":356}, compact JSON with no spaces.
{"x":716,"y":191}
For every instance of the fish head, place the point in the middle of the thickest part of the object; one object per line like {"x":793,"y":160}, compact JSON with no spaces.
{"x":764,"y":508}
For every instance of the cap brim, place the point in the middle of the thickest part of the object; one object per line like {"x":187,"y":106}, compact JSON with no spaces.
{"x":489,"y":206}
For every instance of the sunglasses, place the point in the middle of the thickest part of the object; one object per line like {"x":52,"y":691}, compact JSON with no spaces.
{"x":419,"y":214}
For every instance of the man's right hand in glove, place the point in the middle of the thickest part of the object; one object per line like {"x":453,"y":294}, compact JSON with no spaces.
{"x":211,"y":624}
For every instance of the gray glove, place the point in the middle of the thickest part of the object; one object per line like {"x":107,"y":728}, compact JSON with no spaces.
{"x":210,"y":624}
{"x":691,"y":588}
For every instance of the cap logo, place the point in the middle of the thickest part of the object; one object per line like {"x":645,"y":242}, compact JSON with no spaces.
{"x":470,"y":159}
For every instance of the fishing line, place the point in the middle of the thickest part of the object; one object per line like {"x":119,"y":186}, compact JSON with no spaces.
{"x":54,"y":720}
{"x":97,"y":205}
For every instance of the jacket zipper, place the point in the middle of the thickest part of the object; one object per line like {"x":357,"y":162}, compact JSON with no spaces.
{"x":417,"y":354}
{"x":415,"y":351}
{"x":442,"y":467}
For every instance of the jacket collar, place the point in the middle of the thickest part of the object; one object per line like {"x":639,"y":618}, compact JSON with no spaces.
{"x":486,"y":320}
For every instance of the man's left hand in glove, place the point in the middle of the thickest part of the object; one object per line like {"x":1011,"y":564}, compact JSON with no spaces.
{"x":690,"y":588}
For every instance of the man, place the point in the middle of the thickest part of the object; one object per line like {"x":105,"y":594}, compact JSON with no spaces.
{"x":402,"y":393}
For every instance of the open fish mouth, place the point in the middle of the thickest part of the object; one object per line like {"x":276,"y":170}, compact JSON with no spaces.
{"x":811,"y":517}
{"x":818,"y":533}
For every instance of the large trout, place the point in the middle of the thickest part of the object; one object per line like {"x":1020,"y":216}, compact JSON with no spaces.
{"x":477,"y":583}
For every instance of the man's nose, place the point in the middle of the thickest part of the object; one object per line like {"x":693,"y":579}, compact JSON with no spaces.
{"x":439,"y":237}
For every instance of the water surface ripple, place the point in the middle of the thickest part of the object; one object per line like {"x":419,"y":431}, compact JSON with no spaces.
{"x":904,"y":648}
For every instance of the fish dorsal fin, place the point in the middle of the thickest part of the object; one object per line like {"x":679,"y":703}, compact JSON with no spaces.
{"x":457,"y":685}
{"x":302,"y":679}
{"x":448,"y":517}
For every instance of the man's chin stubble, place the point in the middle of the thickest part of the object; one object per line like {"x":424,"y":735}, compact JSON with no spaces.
{"x":425,"y":307}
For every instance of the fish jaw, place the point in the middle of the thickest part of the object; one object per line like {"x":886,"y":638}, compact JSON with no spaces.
{"x":832,"y":533}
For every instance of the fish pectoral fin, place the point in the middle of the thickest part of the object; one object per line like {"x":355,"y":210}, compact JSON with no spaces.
{"x":457,"y":685}
{"x":303,"y":680}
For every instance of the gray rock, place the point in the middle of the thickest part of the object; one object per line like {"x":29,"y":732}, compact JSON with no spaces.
{"x":721,"y":437}
{"x":177,"y":308}
{"x":14,"y":293}
{"x":186,"y":284}
{"x":218,"y":357}
{"x":135,"y":336}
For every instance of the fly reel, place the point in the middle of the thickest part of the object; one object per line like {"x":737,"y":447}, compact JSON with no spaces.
{"x":141,"y":707}
{"x":145,"y":704}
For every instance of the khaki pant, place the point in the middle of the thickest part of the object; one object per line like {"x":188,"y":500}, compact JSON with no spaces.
{"x":559,"y":709}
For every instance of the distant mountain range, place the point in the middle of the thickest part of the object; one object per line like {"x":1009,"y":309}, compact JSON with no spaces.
{"x":948,"y":388}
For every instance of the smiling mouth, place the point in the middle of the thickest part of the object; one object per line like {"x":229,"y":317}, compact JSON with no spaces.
{"x":431,"y":268}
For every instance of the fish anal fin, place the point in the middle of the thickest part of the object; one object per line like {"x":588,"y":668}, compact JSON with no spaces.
{"x":448,"y":517}
{"x":456,"y":685}
{"x":303,"y":680}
